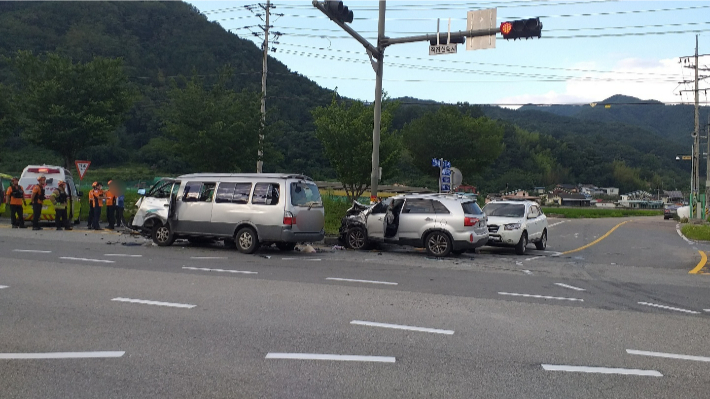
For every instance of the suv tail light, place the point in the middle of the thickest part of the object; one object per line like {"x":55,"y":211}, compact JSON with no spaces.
{"x":470,"y":222}
{"x":289,"y":219}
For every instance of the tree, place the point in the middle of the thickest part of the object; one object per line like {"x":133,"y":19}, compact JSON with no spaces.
{"x":8,"y":120}
{"x":346,"y":134}
{"x":67,"y":106}
{"x":471,"y":144}
{"x":214,"y":129}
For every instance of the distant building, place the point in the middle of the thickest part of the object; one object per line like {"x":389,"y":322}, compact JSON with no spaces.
{"x":640,"y":200}
{"x":672,"y":197}
{"x":571,"y":188}
{"x":562,"y":198}
{"x":610,"y":190}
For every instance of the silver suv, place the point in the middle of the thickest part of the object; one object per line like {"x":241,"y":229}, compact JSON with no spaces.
{"x":441,"y":223}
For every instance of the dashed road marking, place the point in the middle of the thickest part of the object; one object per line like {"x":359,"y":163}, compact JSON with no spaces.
{"x":541,"y":296}
{"x":402,"y":327}
{"x":34,"y":251}
{"x":4,"y":286}
{"x":655,"y":305}
{"x":158,"y":303}
{"x":313,"y":260}
{"x":527,"y":272}
{"x":533,"y":258}
{"x":86,"y":259}
{"x":668,"y":355}
{"x":570,"y":287}
{"x":360,"y":281}
{"x":555,"y":224}
{"x":124,"y":255}
{"x":318,"y":356}
{"x":601,"y":370}
{"x":204,"y":269}
{"x":288,"y":258}
{"x":61,"y":355}
{"x":207,"y":257}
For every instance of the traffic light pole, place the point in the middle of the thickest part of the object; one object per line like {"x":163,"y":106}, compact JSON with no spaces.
{"x":378,"y":54}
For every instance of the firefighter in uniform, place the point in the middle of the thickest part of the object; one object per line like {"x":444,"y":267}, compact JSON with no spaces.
{"x":37,"y":199}
{"x":111,"y":199}
{"x":15,"y":196}
{"x":59,"y":198}
{"x":89,"y":220}
{"x":97,"y":202}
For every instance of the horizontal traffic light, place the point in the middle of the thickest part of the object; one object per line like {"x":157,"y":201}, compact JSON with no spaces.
{"x":521,"y":28}
{"x":338,"y":11}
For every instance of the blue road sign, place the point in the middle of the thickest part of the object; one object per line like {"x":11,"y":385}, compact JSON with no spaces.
{"x":445,"y":187}
{"x":435,"y":162}
{"x":446,"y":179}
{"x":446,"y":172}
{"x":447,"y":164}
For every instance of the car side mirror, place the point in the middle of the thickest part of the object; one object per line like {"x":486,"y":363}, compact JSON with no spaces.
{"x":141,"y":191}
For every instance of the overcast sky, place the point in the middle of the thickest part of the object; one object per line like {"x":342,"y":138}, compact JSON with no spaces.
{"x":589,"y":50}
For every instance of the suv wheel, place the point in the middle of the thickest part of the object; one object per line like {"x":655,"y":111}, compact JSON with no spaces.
{"x":163,"y":235}
{"x":356,"y":238}
{"x":438,"y":244}
{"x":522,"y":244}
{"x":247,"y":242}
{"x":542,"y":244}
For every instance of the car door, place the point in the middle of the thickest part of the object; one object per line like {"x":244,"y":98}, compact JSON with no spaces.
{"x":416,"y":217}
{"x":376,"y":222}
{"x":231,"y":207}
{"x":193,"y":209}
{"x":533,"y":223}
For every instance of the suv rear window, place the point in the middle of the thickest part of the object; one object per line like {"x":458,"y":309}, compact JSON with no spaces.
{"x":471,"y":208}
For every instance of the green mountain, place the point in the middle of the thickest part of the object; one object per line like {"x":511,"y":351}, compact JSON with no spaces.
{"x":674,"y":122}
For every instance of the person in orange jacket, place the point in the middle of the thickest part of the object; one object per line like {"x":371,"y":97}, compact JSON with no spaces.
{"x":97,"y":201}
{"x":89,"y":220}
{"x":111,"y":199}
{"x":15,"y":197}
{"x":37,"y":200}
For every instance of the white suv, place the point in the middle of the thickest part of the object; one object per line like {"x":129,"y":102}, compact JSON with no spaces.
{"x":516,"y":223}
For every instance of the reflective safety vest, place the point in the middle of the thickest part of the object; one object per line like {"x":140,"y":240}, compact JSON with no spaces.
{"x":96,"y":200}
{"x":38,"y":194}
{"x":59,"y":198}
{"x":15,"y":196}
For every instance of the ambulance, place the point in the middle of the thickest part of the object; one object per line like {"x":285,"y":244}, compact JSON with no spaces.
{"x":3,"y":190}
{"x":28,"y":180}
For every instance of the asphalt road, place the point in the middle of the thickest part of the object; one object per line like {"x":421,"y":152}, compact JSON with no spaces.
{"x":126,"y":319}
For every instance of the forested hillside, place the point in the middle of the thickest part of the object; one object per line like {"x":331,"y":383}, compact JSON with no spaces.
{"x":165,"y":46}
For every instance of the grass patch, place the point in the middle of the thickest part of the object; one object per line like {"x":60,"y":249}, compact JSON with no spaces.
{"x":696,"y":231}
{"x":335,"y":208}
{"x":578,"y":213}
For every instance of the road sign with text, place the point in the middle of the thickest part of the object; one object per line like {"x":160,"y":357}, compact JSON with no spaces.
{"x":443,"y":49}
{"x":81,"y":167}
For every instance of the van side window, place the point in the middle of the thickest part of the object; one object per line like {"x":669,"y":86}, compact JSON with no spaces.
{"x":235,"y":193}
{"x":191,"y":193}
{"x":266,"y":194}
{"x":207,"y":192}
{"x":241,"y":193}
{"x":225,"y":192}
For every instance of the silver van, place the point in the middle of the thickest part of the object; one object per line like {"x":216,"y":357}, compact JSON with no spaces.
{"x":244,"y":210}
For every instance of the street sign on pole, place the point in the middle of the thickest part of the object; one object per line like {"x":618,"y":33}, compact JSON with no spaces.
{"x":81,"y":167}
{"x":435,"y":162}
{"x":443,"y":49}
{"x":686,"y":157}
{"x":478,"y":20}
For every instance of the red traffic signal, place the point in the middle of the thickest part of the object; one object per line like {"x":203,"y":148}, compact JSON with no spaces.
{"x":521,"y":28}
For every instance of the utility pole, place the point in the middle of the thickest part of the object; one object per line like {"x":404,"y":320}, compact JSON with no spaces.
{"x":264,"y":67}
{"x":696,"y":132}
{"x":707,"y":170}
{"x":380,"y":58}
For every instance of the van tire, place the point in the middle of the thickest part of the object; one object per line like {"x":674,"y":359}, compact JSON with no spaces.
{"x":286,"y":246}
{"x":247,"y":241}
{"x":163,"y":235}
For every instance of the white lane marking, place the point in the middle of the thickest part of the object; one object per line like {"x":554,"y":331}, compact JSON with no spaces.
{"x":208,"y":257}
{"x":601,"y":370}
{"x":86,"y":259}
{"x":668,"y":307}
{"x":668,"y":355}
{"x":555,"y":253}
{"x":3,"y":286}
{"x":555,"y":224}
{"x":533,"y":258}
{"x":125,"y":255}
{"x":570,"y":287}
{"x":359,"y":281}
{"x":527,"y":272}
{"x":707,"y":310}
{"x":204,"y":269}
{"x":313,"y":260}
{"x":317,"y":356}
{"x":541,"y":296}
{"x":146,"y":302}
{"x":61,"y":355}
{"x":677,"y":229}
{"x":402,"y":327}
{"x":35,"y":251}
{"x":288,"y":258}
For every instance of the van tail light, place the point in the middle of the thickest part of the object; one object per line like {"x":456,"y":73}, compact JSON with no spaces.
{"x":470,"y":222}
{"x":289,"y":219}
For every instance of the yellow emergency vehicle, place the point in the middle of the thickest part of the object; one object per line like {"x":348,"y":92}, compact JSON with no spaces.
{"x":3,"y":189}
{"x":54,"y":174}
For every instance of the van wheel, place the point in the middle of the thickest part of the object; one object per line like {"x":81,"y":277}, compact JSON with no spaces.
{"x":522,"y":244}
{"x":247,"y":242}
{"x":356,"y":238}
{"x":163,"y":235}
{"x":542,"y":244}
{"x":286,"y":246}
{"x":438,"y":244}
